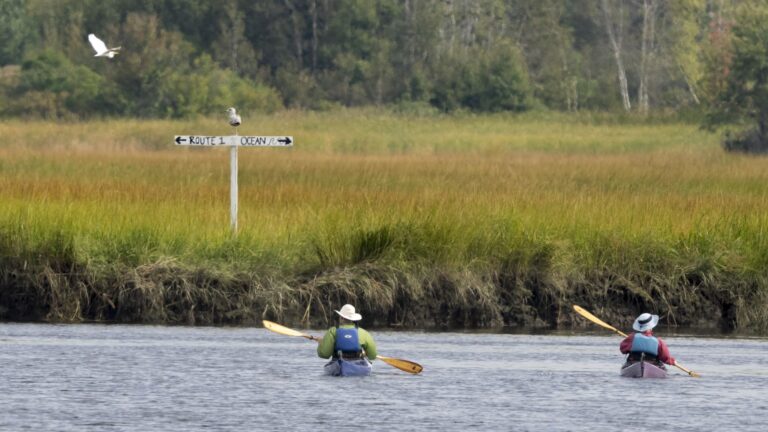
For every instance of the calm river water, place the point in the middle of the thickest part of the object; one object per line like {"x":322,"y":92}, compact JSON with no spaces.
{"x":146,"y":378}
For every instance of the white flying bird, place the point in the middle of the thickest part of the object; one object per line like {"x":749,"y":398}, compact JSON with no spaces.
{"x":234,"y":117}
{"x":101,"y":48}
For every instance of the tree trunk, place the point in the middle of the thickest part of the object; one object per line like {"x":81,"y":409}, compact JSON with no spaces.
{"x":762,"y":130}
{"x":646,"y":53}
{"x":569,"y":82}
{"x":470,"y":11}
{"x":315,"y":37}
{"x":233,"y":18}
{"x":689,"y":84}
{"x":410,"y":45}
{"x":452,"y":30}
{"x":615,"y":37}
{"x":297,"y":42}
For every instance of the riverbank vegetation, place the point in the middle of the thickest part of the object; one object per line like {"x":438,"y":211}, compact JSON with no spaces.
{"x":422,"y":221}
{"x":449,"y":168}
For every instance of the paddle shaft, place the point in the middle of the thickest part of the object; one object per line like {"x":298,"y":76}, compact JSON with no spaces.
{"x":586,"y":314}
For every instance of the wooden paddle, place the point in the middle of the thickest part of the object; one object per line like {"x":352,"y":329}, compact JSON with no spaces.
{"x":403,"y":365}
{"x":583,"y":312}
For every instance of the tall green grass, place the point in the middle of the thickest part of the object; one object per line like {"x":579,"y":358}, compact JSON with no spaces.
{"x":422,"y":221}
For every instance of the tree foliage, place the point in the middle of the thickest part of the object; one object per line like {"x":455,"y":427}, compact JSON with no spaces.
{"x":186,"y":57}
{"x":15,"y":33}
{"x":744,"y":96}
{"x":54,"y":87}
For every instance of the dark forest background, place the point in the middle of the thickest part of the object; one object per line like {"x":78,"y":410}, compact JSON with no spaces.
{"x":186,"y":57}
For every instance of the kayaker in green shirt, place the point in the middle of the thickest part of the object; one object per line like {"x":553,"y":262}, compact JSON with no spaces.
{"x":346,"y":340}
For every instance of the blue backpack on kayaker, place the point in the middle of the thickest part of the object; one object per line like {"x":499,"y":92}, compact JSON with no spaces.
{"x":347,"y":343}
{"x":642,"y":344}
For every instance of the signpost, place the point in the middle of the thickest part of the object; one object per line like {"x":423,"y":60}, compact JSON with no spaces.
{"x":233,"y":142}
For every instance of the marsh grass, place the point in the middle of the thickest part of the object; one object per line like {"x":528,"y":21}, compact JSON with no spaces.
{"x":430,"y":221}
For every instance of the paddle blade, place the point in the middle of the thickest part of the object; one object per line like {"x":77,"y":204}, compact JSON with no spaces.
{"x":583,"y":312}
{"x":403,"y":365}
{"x":277,"y":328}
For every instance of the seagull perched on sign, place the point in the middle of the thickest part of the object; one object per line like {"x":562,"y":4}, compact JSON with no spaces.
{"x":234,"y":118}
{"x":101,"y":48}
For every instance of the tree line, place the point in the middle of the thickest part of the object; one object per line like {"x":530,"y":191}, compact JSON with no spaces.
{"x":185,"y":57}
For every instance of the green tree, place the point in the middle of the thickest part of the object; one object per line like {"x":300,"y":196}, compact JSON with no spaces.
{"x":231,"y":49}
{"x":15,"y":31}
{"x":565,"y":54}
{"x":54,"y":87}
{"x":745,"y":98}
{"x":685,"y":29}
{"x":547,"y":45}
{"x":486,"y":82}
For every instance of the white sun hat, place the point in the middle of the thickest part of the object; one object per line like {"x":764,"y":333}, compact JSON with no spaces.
{"x":645,"y":322}
{"x":348,"y":312}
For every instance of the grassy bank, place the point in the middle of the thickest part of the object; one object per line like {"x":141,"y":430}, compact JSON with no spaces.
{"x":421,"y":221}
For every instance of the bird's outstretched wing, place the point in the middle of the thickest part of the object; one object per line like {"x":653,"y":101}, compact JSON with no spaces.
{"x":97,"y":43}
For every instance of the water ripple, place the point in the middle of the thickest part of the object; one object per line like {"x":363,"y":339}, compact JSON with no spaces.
{"x":131,"y":378}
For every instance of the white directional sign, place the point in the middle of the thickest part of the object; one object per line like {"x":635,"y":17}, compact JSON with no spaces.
{"x":233,"y":142}
{"x":236,"y":140}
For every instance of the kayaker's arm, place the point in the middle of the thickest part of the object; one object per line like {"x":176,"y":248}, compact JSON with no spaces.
{"x":368,"y":344}
{"x":325,"y":345}
{"x":626,"y":344}
{"x":664,"y":355}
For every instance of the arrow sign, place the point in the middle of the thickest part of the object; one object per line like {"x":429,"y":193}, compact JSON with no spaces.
{"x":233,"y":142}
{"x":264,"y":141}
{"x":236,"y":140}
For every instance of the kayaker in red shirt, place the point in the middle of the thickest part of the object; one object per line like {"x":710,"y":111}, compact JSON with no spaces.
{"x":643,"y":344}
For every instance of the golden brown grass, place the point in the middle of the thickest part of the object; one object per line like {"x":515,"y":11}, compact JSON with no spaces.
{"x":468,"y":175}
{"x":458,"y":194}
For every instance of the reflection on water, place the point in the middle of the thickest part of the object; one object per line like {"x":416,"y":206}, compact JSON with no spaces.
{"x":95,"y":378}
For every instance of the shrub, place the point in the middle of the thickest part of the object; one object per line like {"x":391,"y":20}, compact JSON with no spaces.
{"x":493,"y":81}
{"x":51,"y":86}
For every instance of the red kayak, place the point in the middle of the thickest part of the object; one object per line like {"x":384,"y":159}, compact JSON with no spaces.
{"x":643,"y":369}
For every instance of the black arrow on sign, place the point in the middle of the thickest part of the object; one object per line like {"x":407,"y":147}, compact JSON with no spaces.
{"x":180,"y":140}
{"x":285,"y":141}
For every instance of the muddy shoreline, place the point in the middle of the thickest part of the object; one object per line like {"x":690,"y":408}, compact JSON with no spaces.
{"x":171,"y":293}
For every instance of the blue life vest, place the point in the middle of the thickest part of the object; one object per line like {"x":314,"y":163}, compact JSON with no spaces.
{"x":645,"y":344}
{"x":347,"y":341}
